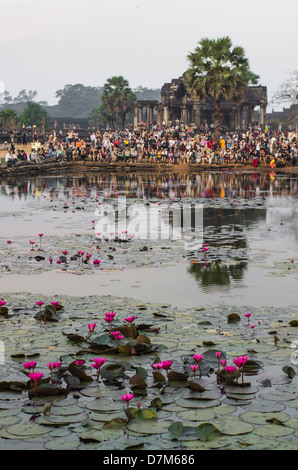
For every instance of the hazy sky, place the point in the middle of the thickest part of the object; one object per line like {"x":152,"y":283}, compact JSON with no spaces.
{"x":46,"y":44}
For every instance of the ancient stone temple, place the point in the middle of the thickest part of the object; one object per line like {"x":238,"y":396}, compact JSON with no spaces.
{"x":178,"y":102}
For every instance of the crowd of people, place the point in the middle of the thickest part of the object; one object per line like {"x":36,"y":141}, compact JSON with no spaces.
{"x":171,"y":142}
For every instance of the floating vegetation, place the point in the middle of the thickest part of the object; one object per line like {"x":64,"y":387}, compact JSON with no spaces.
{"x":108,"y":375}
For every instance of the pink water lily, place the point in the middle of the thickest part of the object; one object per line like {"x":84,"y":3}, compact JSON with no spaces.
{"x":57,"y":305}
{"x":98,"y":362}
{"x":96,"y":262}
{"x":167,"y":364}
{"x":194,"y":368}
{"x":127,"y":397}
{"x":116,"y":335}
{"x":218,"y":356}
{"x":230,"y":369}
{"x":39,"y":303}
{"x":2,"y":303}
{"x":91,"y":327}
{"x":158,"y":366}
{"x":130,"y":319}
{"x":240,"y":362}
{"x":79,"y":362}
{"x":30,"y":365}
{"x":198,"y":357}
{"x":8,"y":241}
{"x":109,"y":317}
{"x":35,"y":377}
{"x":223,"y":362}
{"x":51,"y":260}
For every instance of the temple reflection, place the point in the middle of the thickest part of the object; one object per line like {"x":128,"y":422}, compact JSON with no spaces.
{"x":221,"y":184}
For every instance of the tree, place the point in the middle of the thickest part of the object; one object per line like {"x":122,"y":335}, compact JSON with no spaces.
{"x":143,"y":93}
{"x":78,"y":100}
{"x":118,"y":101}
{"x":9,"y":119}
{"x":24,"y":96}
{"x":34,"y":115}
{"x":219,"y":72}
{"x":94,"y":117}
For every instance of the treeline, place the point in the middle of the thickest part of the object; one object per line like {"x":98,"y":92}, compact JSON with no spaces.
{"x":110,"y":104}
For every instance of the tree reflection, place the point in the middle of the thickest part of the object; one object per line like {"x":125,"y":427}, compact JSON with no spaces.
{"x":217,"y":273}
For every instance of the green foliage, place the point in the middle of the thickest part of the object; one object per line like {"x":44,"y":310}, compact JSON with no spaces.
{"x":78,"y":100}
{"x":94,"y":117}
{"x":34,"y":114}
{"x":219,"y":71}
{"x":117,"y":101}
{"x":8,"y":119}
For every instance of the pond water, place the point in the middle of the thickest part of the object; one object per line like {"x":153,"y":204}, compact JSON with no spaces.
{"x":248,"y":221}
{"x":188,"y":257}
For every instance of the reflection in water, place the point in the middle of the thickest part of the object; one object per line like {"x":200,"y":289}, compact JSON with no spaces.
{"x":210,"y":185}
{"x":225,"y":235}
{"x":217,"y":273}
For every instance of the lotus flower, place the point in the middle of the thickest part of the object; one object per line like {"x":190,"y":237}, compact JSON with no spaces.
{"x":130,"y":319}
{"x":167,"y":364}
{"x":91,"y":327}
{"x":79,"y":362}
{"x":2,"y":303}
{"x":194,"y":368}
{"x":198,"y":358}
{"x":35,"y":377}
{"x":158,"y":365}
{"x":117,"y":335}
{"x":56,"y":304}
{"x":96,"y":262}
{"x":98,"y":362}
{"x":30,"y":365}
{"x":127,"y":397}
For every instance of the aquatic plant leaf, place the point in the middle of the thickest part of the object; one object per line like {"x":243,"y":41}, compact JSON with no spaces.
{"x":204,"y":431}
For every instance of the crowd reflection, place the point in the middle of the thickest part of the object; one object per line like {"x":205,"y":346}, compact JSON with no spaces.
{"x":224,"y":184}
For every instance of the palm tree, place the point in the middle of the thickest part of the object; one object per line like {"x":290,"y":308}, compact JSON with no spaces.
{"x":117,"y":100}
{"x":219,"y":72}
